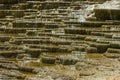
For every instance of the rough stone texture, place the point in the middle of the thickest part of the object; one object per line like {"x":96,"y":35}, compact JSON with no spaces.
{"x":91,"y":50}
{"x":8,"y":1}
{"x":107,"y":14}
{"x":112,"y":55}
{"x":108,"y":11}
{"x":59,"y":40}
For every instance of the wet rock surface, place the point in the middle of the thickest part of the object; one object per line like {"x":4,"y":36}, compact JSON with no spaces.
{"x":59,"y":40}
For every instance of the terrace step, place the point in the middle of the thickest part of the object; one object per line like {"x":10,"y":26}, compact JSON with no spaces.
{"x":27,"y":24}
{"x":112,"y":55}
{"x":50,"y":59}
{"x":113,"y":50}
{"x":89,"y":23}
{"x":4,"y":38}
{"x":15,"y":13}
{"x":77,"y":31}
{"x":10,"y":54}
{"x":101,"y":48}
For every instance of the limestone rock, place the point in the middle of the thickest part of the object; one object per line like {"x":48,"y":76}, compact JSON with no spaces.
{"x":87,"y":72}
{"x":91,"y":50}
{"x":112,"y":55}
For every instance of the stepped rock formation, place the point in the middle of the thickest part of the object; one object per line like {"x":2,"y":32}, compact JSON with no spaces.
{"x":110,"y":10}
{"x":59,"y":40}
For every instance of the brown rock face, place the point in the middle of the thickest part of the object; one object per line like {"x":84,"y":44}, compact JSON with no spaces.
{"x":108,"y":11}
{"x":107,"y":14}
{"x":8,"y":1}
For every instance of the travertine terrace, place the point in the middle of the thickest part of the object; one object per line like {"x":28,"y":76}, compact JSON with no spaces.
{"x":59,"y":40}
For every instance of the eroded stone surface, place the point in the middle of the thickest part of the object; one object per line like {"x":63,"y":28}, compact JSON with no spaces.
{"x":59,"y":40}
